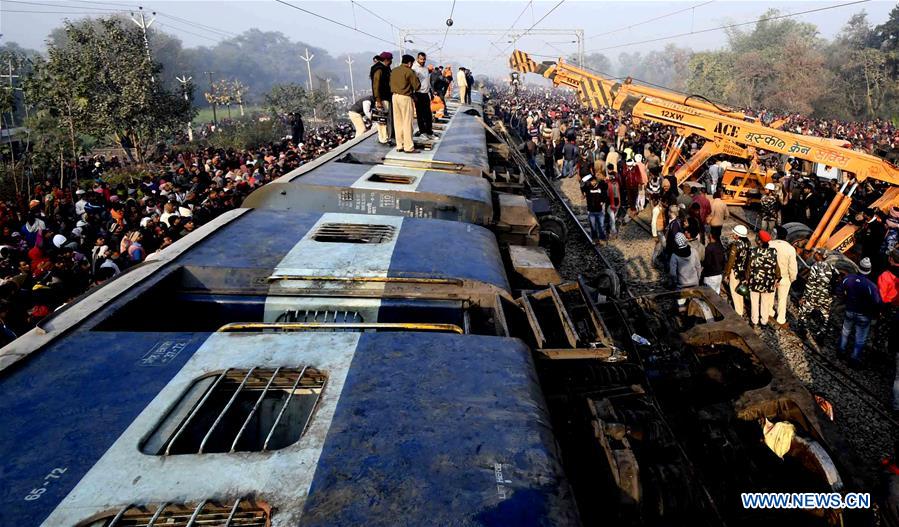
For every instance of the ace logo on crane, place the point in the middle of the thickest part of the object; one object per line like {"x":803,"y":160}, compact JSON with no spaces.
{"x":730,"y":130}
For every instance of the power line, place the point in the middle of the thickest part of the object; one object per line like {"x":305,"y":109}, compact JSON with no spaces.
{"x":204,"y":27}
{"x":445,"y":33}
{"x":182,"y":30}
{"x":730,"y":26}
{"x":523,"y":11}
{"x":58,"y":6}
{"x":379,"y":17}
{"x":341,"y":24}
{"x":130,"y":6}
{"x":651,"y":20}
{"x":534,"y":25}
{"x":90,"y":13}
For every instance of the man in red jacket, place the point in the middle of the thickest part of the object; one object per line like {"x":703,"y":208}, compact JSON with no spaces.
{"x":632,"y":179}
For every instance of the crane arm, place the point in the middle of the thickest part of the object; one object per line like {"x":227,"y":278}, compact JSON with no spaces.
{"x":721,"y":128}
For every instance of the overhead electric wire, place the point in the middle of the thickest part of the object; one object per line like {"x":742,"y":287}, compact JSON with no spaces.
{"x":130,"y":6}
{"x":341,"y":24}
{"x":523,"y":11}
{"x":180,"y":29}
{"x":445,"y":33}
{"x":729,"y":26}
{"x":86,"y":13}
{"x":204,"y":27}
{"x":58,"y":6}
{"x":516,"y":39}
{"x":379,"y":17}
{"x":650,"y":20}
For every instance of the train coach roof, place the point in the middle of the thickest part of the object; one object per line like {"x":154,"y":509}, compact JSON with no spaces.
{"x":379,"y":189}
{"x":443,"y":429}
{"x":352,"y":245}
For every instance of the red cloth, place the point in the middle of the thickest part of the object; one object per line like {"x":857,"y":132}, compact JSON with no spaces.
{"x":888,"y":284}
{"x":705,"y":206}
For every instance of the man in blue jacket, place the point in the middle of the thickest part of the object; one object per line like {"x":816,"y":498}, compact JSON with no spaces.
{"x":862,"y":301}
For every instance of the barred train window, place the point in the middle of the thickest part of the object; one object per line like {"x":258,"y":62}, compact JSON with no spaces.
{"x":243,"y":512}
{"x":239,"y":411}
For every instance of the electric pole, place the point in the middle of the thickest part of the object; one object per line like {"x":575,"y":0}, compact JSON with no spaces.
{"x":185,"y":82}
{"x":308,"y":58}
{"x":349,"y":62}
{"x":215,"y":119}
{"x":144,"y":26}
{"x":12,"y":91}
{"x":328,"y":82}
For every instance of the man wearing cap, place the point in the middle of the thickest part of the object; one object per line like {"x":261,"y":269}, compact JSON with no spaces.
{"x":762,"y":275}
{"x":380,"y":89}
{"x":770,"y":207}
{"x":684,"y":267}
{"x":862,"y":301}
{"x":462,"y":81}
{"x":786,"y":262}
{"x":403,"y":83}
{"x":737,"y":257}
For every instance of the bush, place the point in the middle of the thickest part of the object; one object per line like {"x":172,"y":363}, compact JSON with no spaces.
{"x":246,"y":134}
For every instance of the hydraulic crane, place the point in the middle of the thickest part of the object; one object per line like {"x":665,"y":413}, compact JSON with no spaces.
{"x":598,"y":92}
{"x":727,"y":130}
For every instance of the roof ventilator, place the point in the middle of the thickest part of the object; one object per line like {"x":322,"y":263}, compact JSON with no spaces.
{"x":354,"y":233}
{"x":251,"y":410}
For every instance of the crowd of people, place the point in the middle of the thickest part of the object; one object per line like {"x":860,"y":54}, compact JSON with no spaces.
{"x":619,"y":164}
{"x":64,"y":240}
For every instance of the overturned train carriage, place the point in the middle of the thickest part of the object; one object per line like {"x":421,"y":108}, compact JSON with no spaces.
{"x":380,"y":338}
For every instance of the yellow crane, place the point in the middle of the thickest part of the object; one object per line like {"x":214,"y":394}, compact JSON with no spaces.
{"x":732,"y":130}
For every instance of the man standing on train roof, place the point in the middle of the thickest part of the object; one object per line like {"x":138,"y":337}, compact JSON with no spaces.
{"x":403,"y":84}
{"x":423,"y":97}
{"x":380,"y":89}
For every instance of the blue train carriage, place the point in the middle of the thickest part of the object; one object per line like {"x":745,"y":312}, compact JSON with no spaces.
{"x":168,"y":395}
{"x":379,"y":189}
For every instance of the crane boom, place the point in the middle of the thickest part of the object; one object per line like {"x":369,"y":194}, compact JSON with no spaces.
{"x":727,"y":131}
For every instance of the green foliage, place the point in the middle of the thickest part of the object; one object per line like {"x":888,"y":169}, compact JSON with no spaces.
{"x":247,"y":133}
{"x":99,"y":81}
{"x":286,"y":98}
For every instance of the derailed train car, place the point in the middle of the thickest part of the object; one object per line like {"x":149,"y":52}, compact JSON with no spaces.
{"x":354,"y":346}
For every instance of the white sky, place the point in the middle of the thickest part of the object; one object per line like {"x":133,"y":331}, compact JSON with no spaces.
{"x":596,"y":18}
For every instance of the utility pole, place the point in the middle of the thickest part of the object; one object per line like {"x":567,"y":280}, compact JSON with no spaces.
{"x":12,"y":91}
{"x":308,"y":58}
{"x":144,"y":26}
{"x":328,"y":83}
{"x":185,"y":81}
{"x":215,"y":119}
{"x":349,"y":62}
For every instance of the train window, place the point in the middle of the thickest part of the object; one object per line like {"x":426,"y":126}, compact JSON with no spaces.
{"x":251,"y":410}
{"x":392,"y":178}
{"x":354,"y":233}
{"x":243,"y":512}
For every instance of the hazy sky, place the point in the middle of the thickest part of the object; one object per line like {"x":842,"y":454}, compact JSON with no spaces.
{"x":607,"y":25}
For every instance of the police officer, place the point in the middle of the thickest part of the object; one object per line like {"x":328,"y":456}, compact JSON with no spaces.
{"x":737,"y":259}
{"x":818,"y":290}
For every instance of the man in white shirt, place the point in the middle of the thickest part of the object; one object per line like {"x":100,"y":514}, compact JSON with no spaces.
{"x":422,"y":97}
{"x":463,"y":84}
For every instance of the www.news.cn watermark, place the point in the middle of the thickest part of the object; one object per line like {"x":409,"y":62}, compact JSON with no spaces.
{"x":805,"y":500}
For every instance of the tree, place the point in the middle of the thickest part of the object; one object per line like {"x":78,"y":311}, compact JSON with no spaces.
{"x":100,"y":82}
{"x":285,"y":98}
{"x":710,"y":74}
{"x":596,"y":62}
